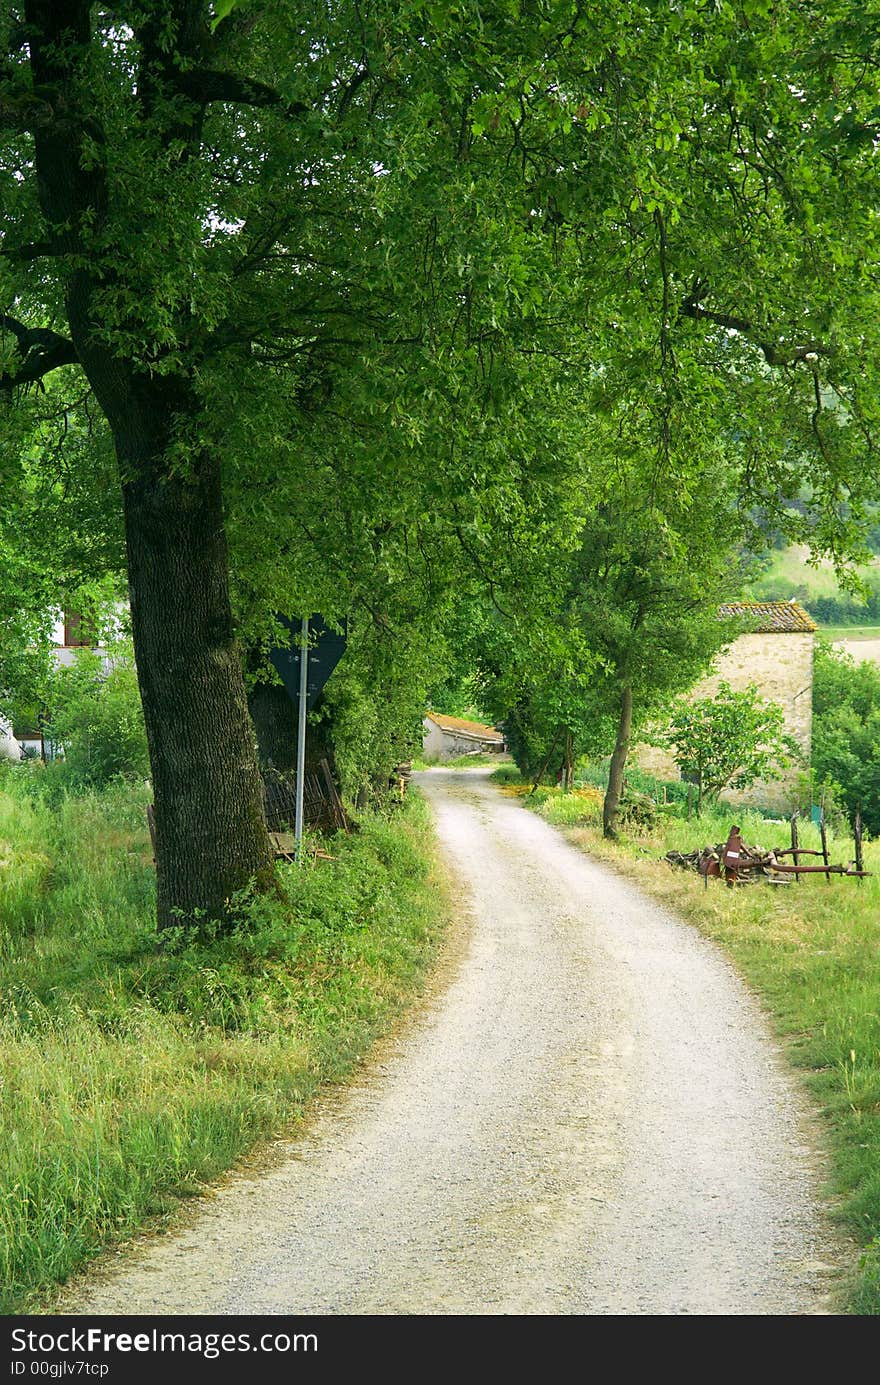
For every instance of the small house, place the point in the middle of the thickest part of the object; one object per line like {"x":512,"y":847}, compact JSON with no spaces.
{"x":446,"y":738}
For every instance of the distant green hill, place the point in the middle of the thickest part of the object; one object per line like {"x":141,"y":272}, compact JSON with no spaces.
{"x":789,"y":576}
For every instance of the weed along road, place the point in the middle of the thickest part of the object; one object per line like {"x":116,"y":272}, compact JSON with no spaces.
{"x":588,"y":1117}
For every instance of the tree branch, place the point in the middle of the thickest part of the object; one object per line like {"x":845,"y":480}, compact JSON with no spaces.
{"x":203,"y":86}
{"x":350,"y":88}
{"x":32,"y":250}
{"x":774,"y":353}
{"x":41,"y":351}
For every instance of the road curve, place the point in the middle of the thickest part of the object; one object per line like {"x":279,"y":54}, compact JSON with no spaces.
{"x":589,"y":1118}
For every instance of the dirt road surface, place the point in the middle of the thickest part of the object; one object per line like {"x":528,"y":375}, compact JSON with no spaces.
{"x":861,"y":649}
{"x":588,"y":1117}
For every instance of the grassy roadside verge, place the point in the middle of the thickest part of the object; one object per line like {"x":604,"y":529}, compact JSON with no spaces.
{"x":131,"y":1074}
{"x":811,"y":952}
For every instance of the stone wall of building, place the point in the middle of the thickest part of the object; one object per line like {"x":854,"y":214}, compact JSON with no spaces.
{"x":449,"y":742}
{"x":781,"y":666}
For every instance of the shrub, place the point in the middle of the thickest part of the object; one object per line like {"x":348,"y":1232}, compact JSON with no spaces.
{"x":96,"y":718}
{"x":729,"y":741}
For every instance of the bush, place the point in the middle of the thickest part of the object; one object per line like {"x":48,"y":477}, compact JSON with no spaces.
{"x":846,"y":731}
{"x":96,"y":719}
{"x":729,"y":741}
{"x":843,"y":610}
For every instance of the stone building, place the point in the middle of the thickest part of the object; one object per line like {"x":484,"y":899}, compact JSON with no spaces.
{"x":445,"y":738}
{"x":775,"y":652}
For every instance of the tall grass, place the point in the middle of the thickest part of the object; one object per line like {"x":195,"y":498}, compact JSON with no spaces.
{"x":133,"y":1071}
{"x":811,"y":951}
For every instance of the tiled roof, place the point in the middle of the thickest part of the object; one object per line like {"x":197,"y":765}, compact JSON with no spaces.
{"x":470,"y":728}
{"x":771,"y":617}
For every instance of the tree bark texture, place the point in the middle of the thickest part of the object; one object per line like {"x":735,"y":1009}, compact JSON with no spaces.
{"x":614,"y":791}
{"x":274,"y":717}
{"x":211,"y":835}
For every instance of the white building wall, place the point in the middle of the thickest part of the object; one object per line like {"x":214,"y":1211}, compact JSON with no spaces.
{"x":9,"y":747}
{"x":433,"y":746}
{"x":447,"y":743}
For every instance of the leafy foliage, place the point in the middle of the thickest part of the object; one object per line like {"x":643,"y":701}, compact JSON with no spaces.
{"x":846,"y":731}
{"x":404,"y":281}
{"x":95,"y":716}
{"x":624,"y":605}
{"x":729,"y":741}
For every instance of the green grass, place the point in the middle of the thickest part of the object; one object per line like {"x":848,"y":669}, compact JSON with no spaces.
{"x":850,"y":632}
{"x":462,"y":762}
{"x":506,"y":773}
{"x":133,"y":1073}
{"x":811,"y":951}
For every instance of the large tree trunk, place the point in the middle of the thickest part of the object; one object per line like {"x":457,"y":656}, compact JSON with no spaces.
{"x":618,"y":763}
{"x":210,"y":826}
{"x":211,"y":833}
{"x":274,"y":718}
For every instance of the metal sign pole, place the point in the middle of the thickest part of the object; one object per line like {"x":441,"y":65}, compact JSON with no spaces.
{"x":301,"y":736}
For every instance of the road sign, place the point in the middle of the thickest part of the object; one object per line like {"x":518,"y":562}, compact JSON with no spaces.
{"x":305,"y":663}
{"x":326,"y":648}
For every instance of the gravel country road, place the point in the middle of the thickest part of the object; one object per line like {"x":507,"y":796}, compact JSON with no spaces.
{"x":588,"y":1117}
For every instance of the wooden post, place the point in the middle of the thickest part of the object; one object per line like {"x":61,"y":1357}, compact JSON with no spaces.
{"x":339,"y":812}
{"x":794,"y":845}
{"x":302,"y":708}
{"x":857,"y":835}
{"x":690,"y":800}
{"x":823,"y":833}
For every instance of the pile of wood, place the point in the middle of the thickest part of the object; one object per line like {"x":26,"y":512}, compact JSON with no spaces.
{"x":322,"y":806}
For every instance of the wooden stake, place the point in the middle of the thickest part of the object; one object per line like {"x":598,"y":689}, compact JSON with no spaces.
{"x":823,"y":833}
{"x":546,"y":762}
{"x":339,"y":812}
